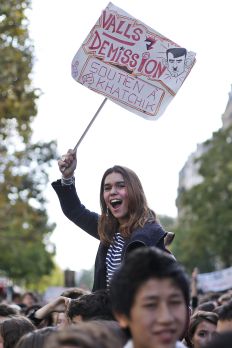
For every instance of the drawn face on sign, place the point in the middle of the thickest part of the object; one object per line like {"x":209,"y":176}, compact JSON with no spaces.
{"x":131,"y":64}
{"x":176,"y":59}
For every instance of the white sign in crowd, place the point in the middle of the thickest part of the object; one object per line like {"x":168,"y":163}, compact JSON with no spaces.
{"x":215,"y":281}
{"x":131,"y":64}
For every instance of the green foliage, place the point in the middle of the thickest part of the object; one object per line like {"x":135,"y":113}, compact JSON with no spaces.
{"x":56,"y":278}
{"x":25,"y":251}
{"x":17,"y":97}
{"x":204,"y":233}
{"x":167,"y":222}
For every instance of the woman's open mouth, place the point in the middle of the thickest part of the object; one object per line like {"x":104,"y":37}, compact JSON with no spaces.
{"x":115,"y":203}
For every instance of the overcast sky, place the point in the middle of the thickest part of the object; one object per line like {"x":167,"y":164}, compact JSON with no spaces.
{"x":155,"y":150}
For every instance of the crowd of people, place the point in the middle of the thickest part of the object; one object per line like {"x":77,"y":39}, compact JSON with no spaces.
{"x":149,"y":304}
{"x":141,"y":298}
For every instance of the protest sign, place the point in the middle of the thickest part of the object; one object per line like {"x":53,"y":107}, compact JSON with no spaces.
{"x":131,"y":64}
{"x":215,"y":281}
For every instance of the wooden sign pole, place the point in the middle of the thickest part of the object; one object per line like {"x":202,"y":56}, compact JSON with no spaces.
{"x":89,"y":125}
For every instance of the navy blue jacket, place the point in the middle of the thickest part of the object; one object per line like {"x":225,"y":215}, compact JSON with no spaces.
{"x":151,"y":234}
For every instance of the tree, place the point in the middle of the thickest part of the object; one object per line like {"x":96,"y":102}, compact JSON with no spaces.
{"x":25,"y":251}
{"x":204,"y":235}
{"x":85,"y":278}
{"x":17,"y":97}
{"x":167,"y":222}
{"x":56,"y":279}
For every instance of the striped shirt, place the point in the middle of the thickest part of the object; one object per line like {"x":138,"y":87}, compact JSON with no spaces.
{"x":113,"y":257}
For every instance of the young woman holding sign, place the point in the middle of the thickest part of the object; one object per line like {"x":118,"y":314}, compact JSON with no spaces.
{"x":125,"y":223}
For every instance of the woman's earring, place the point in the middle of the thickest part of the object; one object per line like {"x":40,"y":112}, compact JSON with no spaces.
{"x":107,"y":211}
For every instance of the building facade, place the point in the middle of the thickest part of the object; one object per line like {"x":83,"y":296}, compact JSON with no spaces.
{"x":189,"y":175}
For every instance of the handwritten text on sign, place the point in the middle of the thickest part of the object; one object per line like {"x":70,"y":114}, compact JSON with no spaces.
{"x":132,"y":64}
{"x":118,"y":85}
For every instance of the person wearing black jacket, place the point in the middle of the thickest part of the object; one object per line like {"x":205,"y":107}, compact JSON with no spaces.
{"x":125,"y":223}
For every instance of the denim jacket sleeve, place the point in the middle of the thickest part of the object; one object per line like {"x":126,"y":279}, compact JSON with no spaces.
{"x":151,"y":234}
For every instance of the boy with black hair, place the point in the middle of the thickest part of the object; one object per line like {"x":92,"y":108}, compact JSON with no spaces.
{"x":150,"y":298}
{"x":94,"y":306}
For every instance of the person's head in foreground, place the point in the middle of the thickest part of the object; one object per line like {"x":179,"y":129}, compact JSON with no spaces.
{"x":221,"y":340}
{"x":36,"y":338}
{"x":150,"y":298}
{"x":92,"y":334}
{"x":12,"y":329}
{"x":201,"y":329}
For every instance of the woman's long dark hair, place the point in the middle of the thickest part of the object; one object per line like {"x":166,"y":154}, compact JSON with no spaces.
{"x":138,"y":211}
